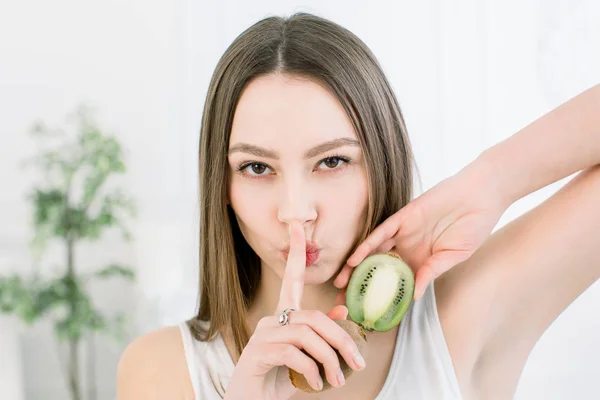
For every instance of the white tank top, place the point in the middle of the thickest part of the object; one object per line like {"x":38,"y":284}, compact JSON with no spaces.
{"x":421,"y":368}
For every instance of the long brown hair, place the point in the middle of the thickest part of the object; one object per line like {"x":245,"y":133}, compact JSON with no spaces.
{"x":312,"y":47}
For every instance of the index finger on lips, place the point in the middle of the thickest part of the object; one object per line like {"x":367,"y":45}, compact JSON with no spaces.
{"x":292,"y":285}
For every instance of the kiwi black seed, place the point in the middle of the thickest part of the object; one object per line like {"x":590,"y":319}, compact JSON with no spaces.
{"x":380,"y":291}
{"x":359,"y":337}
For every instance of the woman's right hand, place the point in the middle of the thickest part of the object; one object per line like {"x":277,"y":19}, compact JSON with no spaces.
{"x":262,"y":370}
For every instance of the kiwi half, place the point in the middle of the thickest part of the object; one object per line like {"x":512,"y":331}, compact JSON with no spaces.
{"x":380,"y":291}
{"x":359,"y":337}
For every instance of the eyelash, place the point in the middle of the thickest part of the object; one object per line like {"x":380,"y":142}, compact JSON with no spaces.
{"x":242,"y":167}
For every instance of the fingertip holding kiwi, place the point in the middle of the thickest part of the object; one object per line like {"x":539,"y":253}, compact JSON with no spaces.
{"x":359,"y":337}
{"x":380,"y":291}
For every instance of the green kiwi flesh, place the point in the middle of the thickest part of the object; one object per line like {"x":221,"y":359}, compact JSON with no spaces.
{"x":380,"y":291}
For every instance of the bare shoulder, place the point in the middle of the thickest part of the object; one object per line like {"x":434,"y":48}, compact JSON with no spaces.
{"x":495,"y":306}
{"x":153,"y":366}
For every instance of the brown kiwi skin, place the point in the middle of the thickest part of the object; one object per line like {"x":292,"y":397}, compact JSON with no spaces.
{"x":358,"y":335}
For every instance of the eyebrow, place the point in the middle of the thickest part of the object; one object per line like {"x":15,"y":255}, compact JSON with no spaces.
{"x":315,"y":151}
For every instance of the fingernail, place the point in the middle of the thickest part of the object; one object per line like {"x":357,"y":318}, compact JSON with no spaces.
{"x":319,"y":383}
{"x":340,"y":377}
{"x":417,"y":295}
{"x":418,"y":290}
{"x":359,"y":360}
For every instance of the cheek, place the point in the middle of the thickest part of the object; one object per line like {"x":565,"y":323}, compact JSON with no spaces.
{"x":344,"y":206}
{"x":250,"y":205}
{"x":349,"y":193}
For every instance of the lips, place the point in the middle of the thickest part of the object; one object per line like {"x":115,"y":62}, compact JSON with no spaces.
{"x":312,"y":253}
{"x":311,"y":258}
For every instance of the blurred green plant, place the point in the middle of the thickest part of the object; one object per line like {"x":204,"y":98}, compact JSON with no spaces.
{"x":69,"y":206}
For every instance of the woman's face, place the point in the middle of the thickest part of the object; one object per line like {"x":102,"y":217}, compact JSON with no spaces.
{"x":293,"y":154}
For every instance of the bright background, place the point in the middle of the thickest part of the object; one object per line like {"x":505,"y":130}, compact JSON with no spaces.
{"x":467,"y":73}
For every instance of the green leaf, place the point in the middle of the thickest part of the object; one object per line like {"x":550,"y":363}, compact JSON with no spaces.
{"x":12,"y":294}
{"x":29,"y":300}
{"x":91,"y":185}
{"x":49,"y":206}
{"x":81,"y":316}
{"x":113,"y":206}
{"x":116,"y":270}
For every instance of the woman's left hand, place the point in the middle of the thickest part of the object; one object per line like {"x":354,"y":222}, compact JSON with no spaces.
{"x":437,"y":230}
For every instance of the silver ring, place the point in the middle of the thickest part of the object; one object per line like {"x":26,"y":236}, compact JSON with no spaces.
{"x":284,"y":318}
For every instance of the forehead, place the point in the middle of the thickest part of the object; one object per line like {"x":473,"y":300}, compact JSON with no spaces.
{"x":286,"y":111}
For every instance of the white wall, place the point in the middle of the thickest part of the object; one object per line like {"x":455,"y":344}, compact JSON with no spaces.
{"x":467,"y":74}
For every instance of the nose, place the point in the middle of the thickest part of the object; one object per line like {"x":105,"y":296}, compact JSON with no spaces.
{"x":296,"y":201}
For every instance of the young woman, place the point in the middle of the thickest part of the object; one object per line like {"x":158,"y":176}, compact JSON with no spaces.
{"x":305,"y":169}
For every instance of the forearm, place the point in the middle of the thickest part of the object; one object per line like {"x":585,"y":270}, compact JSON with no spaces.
{"x":560,"y":143}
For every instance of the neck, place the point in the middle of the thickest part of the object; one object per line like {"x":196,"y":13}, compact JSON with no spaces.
{"x":315,"y":297}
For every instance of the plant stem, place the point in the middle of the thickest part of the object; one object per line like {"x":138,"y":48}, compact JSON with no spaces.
{"x":91,"y":358}
{"x":73,"y":342}
{"x":73,"y":368}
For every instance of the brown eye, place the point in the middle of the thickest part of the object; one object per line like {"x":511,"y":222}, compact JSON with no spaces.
{"x":331,"y":162}
{"x":258,"y":168}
